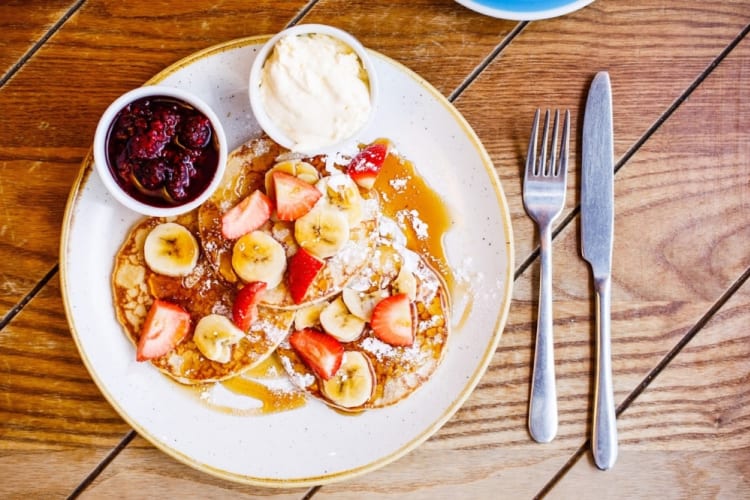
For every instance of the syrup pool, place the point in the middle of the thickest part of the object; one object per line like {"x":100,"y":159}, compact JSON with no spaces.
{"x":419,"y":211}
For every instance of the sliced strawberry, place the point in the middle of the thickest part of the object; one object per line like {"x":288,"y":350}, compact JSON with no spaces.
{"x":320,"y":352}
{"x":166,"y":325}
{"x":391,"y":320}
{"x":245,"y":307}
{"x":294,"y":197}
{"x":303,"y":268}
{"x":246,"y":216}
{"x":366,"y":165}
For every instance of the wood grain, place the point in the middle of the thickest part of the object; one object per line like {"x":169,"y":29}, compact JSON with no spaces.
{"x":688,"y":432}
{"x":551,"y":64}
{"x":56,"y":425}
{"x":25,"y":23}
{"x":161,"y":476}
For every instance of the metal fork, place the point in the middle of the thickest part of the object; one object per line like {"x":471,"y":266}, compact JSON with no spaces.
{"x":544,"y":198}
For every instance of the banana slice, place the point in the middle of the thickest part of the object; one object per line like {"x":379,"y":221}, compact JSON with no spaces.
{"x":171,"y":249}
{"x":215,"y":335}
{"x":353,"y":383}
{"x":337,"y":321}
{"x":322,"y":231}
{"x":309,"y":316}
{"x":256,"y":256}
{"x":300,"y":169}
{"x":361,"y":304}
{"x":341,"y":192}
{"x":406,"y":283}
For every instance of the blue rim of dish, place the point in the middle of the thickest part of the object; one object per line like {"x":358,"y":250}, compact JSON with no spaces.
{"x":524,"y":10}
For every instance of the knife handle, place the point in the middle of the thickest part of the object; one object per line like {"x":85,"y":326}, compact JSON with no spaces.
{"x":604,"y":429}
{"x":543,"y":400}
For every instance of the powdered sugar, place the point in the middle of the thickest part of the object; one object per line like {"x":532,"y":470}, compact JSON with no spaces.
{"x":388,"y":229}
{"x":433,"y":321}
{"x":382,"y":351}
{"x":334,"y":161}
{"x":412,"y":218}
{"x":260,"y":147}
{"x":300,"y":379}
{"x":399,"y":183}
{"x":273,"y":333}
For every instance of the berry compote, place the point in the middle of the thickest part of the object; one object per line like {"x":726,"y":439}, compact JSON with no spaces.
{"x":162,"y":151}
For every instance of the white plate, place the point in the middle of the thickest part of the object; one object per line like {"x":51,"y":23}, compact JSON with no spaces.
{"x":524,"y":10}
{"x":312,"y":444}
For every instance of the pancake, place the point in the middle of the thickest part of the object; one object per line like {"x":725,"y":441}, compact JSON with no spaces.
{"x":245,"y":173}
{"x":371,"y":264}
{"x":397,"y":371}
{"x":135,"y":286}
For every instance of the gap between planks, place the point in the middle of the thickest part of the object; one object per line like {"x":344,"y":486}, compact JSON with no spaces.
{"x":38,"y":45}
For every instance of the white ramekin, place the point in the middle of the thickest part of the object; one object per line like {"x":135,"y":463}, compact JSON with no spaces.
{"x":256,"y":101}
{"x":101,"y":157}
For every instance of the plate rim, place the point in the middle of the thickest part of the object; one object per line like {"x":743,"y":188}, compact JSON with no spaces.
{"x":86,"y":170}
{"x":525,"y":15}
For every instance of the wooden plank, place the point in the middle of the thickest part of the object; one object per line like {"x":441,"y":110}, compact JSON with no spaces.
{"x":551,"y":64}
{"x":698,"y":400}
{"x":441,"y":40}
{"x":56,"y":424}
{"x":105,"y":49}
{"x":672,"y":262}
{"x":161,"y":476}
{"x":23,"y":24}
{"x":687,"y":435}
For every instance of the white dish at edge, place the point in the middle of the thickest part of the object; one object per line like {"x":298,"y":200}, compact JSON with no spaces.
{"x":524,"y":10}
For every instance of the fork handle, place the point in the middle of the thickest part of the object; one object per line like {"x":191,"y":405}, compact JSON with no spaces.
{"x":604,"y":428}
{"x":543,"y":401}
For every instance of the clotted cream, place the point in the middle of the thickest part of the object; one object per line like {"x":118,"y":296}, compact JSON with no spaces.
{"x":315,"y":89}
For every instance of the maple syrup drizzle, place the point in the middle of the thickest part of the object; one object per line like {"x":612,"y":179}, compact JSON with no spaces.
{"x":272,"y":401}
{"x":404,"y":193}
{"x":250,"y":385}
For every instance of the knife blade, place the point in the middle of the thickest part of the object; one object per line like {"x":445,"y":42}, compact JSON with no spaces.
{"x":597,"y":234}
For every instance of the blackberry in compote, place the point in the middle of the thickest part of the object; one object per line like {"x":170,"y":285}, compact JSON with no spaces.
{"x":196,"y":132}
{"x":162,"y":151}
{"x":151,"y":174}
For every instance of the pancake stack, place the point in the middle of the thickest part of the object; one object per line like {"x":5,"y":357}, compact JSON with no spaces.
{"x":290,"y":256}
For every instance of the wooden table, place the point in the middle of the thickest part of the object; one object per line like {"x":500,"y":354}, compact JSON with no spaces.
{"x":681,"y":298}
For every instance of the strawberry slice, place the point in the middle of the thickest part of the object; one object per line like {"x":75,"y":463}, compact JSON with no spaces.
{"x":320,"y":352}
{"x":366,"y":165}
{"x":391,"y":320}
{"x":246,"y":216}
{"x":245,"y":307}
{"x":166,"y":325}
{"x":294,"y":197}
{"x":303,"y":268}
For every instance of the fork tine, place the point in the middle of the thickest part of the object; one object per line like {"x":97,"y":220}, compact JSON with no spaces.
{"x":531,"y":154}
{"x":542,"y":170}
{"x":552,"y":166}
{"x":564,"y":147}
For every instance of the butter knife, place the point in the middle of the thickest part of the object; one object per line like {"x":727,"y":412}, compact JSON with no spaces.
{"x":597,"y":232}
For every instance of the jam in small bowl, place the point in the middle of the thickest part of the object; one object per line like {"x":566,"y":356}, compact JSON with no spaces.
{"x":160,"y":151}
